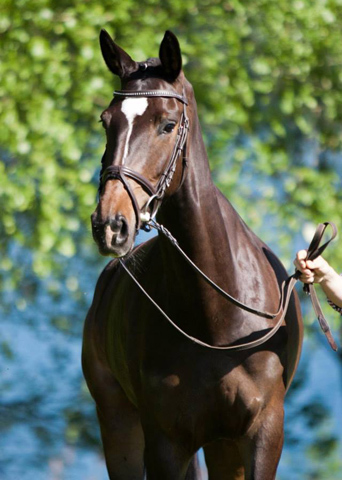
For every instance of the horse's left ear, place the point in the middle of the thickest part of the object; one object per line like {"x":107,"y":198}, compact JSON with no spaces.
{"x":170,"y":55}
{"x":117,"y":60}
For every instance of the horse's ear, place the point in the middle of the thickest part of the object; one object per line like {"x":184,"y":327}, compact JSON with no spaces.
{"x":170,"y":55}
{"x":117,"y":60}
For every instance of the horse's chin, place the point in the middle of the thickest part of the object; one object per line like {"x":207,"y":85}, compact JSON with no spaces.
{"x":110,"y":246}
{"x":116,"y":252}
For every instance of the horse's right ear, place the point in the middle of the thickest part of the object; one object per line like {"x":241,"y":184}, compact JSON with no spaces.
{"x":117,"y":60}
{"x":170,"y":55}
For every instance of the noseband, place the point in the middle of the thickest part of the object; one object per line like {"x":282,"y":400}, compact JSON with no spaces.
{"x":157,"y":192}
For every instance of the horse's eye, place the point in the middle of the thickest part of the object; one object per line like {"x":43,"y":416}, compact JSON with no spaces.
{"x":169,"y":127}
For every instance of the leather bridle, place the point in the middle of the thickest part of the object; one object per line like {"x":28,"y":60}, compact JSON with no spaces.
{"x":156,"y":192}
{"x":145,"y":219}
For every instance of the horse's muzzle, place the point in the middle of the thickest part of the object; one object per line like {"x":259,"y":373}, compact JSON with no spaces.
{"x":112,"y":235}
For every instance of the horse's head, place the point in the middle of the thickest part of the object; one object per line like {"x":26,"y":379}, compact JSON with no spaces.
{"x":146,"y":127}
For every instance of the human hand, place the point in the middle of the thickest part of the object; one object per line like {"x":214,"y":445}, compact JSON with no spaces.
{"x":312,"y":271}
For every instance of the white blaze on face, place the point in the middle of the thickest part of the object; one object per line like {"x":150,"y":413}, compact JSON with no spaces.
{"x":132,"y":107}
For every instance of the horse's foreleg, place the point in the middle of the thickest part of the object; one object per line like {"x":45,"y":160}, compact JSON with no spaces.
{"x":261,"y":449}
{"x":224,"y":461}
{"x":122,"y":436}
{"x":168,"y":461}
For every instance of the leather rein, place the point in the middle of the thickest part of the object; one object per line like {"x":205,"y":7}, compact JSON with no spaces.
{"x":146,"y":219}
{"x":286,"y":290}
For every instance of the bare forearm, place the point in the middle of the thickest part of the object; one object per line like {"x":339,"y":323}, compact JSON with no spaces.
{"x":331,"y":284}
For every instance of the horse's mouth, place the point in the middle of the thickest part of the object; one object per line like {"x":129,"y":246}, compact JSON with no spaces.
{"x":110,"y":248}
{"x":113,"y":251}
{"x":112,"y":243}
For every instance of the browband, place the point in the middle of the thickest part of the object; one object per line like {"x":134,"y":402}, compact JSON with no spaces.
{"x":151,"y":93}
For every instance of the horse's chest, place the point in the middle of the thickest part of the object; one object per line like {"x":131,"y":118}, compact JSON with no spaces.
{"x":213,"y":400}
{"x":238,"y":402}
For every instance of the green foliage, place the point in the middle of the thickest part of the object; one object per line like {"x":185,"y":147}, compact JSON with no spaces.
{"x":267,"y":76}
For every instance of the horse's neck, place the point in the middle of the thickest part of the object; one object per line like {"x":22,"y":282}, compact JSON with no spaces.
{"x":213,"y":235}
{"x":200,"y":218}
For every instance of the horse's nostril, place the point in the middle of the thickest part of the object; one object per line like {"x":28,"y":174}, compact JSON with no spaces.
{"x":117,"y":223}
{"x":119,"y":227}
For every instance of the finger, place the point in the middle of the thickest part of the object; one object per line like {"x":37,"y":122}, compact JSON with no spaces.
{"x":307,"y":278}
{"x":307,"y":272}
{"x":301,"y":255}
{"x":300,"y":260}
{"x":311,"y":264}
{"x":307,"y":275}
{"x":316,"y":263}
{"x":300,"y":264}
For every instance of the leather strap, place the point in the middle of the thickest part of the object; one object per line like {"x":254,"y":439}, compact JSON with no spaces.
{"x":151,"y":93}
{"x":216,"y":287}
{"x":314,"y":250}
{"x":287,"y":287}
{"x":286,"y":291}
{"x":116,"y":171}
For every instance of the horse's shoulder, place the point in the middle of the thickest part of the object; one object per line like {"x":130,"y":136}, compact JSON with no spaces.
{"x":104,"y":280}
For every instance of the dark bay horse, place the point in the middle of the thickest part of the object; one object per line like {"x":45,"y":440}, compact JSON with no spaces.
{"x":161,"y":397}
